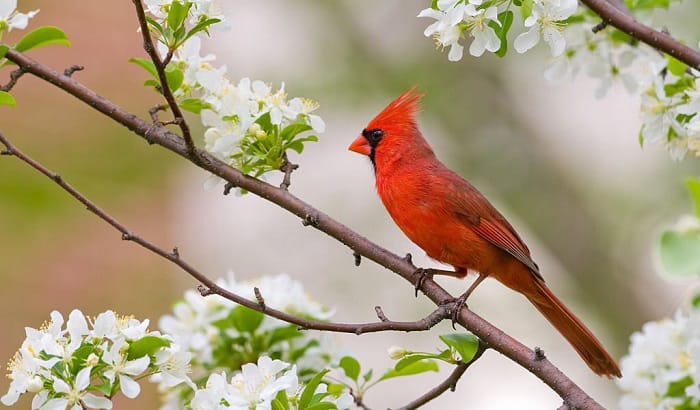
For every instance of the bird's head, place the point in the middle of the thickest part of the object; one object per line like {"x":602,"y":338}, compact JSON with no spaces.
{"x":393,"y":131}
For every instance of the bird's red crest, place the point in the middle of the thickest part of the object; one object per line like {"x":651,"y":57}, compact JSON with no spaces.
{"x":401,"y":111}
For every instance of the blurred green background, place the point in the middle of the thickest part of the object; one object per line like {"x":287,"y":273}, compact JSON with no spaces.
{"x":564,"y":167}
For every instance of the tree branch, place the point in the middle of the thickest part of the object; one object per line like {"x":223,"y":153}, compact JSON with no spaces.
{"x":489,"y":334}
{"x":449,"y":383}
{"x":620,"y":19}
{"x":162,"y":77}
{"x":210,"y":287}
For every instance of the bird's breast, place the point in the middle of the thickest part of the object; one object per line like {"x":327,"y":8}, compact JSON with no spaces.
{"x":418,"y":208}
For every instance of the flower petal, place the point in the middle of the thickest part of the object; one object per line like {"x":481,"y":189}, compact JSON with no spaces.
{"x":527,"y":40}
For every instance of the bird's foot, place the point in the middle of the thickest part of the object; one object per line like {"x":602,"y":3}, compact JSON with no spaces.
{"x":457,"y":306}
{"x":424,"y":274}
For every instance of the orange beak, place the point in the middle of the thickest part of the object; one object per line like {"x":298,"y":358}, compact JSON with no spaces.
{"x":361,"y":146}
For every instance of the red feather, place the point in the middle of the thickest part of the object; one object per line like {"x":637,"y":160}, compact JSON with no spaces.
{"x":455,"y":224}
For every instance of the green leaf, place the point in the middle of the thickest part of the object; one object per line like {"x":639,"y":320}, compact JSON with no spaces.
{"x":324,"y":405}
{"x":336,"y":389}
{"x":466,"y":344}
{"x":367,"y":375}
{"x":679,"y":253}
{"x":412,"y":358}
{"x":245,"y":319}
{"x":104,"y":388}
{"x":693,"y":185}
{"x":175,"y":76}
{"x":3,"y":50}
{"x":506,"y":19}
{"x":310,"y":389}
{"x":194,"y":105}
{"x":298,"y":144}
{"x":265,"y":123}
{"x":695,"y":301}
{"x":285,"y":333}
{"x":418,"y":367}
{"x":146,"y":64}
{"x":201,"y":26}
{"x":155,"y":25}
{"x":650,"y":4}
{"x":675,"y":66}
{"x":147,"y":345}
{"x":291,"y":130}
{"x":351,"y":367}
{"x":43,"y":36}
{"x":7,"y":99}
{"x":679,"y":86}
{"x":177,"y":14}
{"x":677,"y":388}
{"x":526,"y":9}
{"x":281,"y":401}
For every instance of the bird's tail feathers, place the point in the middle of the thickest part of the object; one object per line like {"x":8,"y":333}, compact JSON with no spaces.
{"x":581,"y":338}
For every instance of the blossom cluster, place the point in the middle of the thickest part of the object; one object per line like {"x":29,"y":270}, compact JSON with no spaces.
{"x":248,"y":124}
{"x":487,"y":23}
{"x":223,"y":337}
{"x":11,"y":19}
{"x":64,"y":363}
{"x":669,"y":90}
{"x":662,"y":369}
{"x":258,"y":386}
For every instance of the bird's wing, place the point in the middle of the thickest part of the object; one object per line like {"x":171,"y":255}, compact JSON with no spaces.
{"x":504,"y":239}
{"x":475,"y":211}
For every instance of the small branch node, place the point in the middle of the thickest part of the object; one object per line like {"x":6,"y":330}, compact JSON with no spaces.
{"x":175,"y":253}
{"x":68,"y":72}
{"x":127,"y":236}
{"x":153,"y":112}
{"x":358,"y":258}
{"x":7,"y":151}
{"x":380,"y":314}
{"x":310,"y":220}
{"x":408,"y":258}
{"x":287,"y":167}
{"x":260,"y":299}
{"x":228,"y":187}
{"x":539,"y":354}
{"x":599,"y":27}
{"x":205,"y":291}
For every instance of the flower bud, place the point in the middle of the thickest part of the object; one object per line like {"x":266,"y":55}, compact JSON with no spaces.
{"x":397,"y":352}
{"x":35,"y":385}
{"x":92,"y":360}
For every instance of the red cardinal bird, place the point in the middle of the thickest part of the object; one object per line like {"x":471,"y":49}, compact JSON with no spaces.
{"x":454,"y":224}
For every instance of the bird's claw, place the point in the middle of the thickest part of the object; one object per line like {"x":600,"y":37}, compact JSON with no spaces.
{"x":424,"y":274}
{"x":459,"y":303}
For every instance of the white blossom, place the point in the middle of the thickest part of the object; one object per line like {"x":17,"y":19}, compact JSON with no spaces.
{"x":662,"y":354}
{"x":446,"y":30}
{"x":477,"y":21}
{"x":11,"y":19}
{"x":546,"y":22}
{"x":119,"y":367}
{"x":173,"y":364}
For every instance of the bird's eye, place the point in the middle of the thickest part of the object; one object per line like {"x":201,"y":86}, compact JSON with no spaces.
{"x":373,"y":136}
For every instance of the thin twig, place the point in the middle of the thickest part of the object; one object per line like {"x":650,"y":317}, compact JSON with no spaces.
{"x":622,"y":20}
{"x":72,"y":69}
{"x":488,"y":333}
{"x":14,"y":76}
{"x":450,"y":383}
{"x":209,"y":286}
{"x":162,"y":77}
